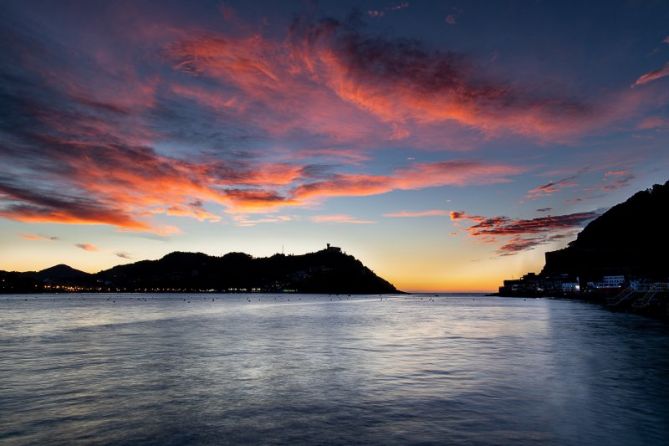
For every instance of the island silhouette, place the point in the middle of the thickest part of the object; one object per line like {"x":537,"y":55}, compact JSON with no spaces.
{"x":329,"y":271}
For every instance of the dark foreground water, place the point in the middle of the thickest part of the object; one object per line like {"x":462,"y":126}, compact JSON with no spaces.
{"x":147,"y":369}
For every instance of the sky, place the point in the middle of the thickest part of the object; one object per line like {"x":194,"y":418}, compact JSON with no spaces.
{"x":448,"y":145}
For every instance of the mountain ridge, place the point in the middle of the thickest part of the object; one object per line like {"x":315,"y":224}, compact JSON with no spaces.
{"x":326,"y":271}
{"x":630,"y":238}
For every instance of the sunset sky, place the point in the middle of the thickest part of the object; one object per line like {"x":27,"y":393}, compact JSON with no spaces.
{"x":447,"y":145}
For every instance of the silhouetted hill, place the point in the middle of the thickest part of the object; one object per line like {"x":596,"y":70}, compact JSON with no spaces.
{"x":326,"y":271}
{"x":59,"y":276}
{"x":63,"y":274}
{"x":619,"y":260}
{"x":631,"y":238}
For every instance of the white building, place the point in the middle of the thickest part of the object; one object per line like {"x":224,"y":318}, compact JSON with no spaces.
{"x":570,"y":287}
{"x":611,"y":282}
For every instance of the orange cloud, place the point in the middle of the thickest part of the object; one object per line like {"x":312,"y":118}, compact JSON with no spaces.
{"x":35,"y":237}
{"x":195,"y":210}
{"x":28,"y":214}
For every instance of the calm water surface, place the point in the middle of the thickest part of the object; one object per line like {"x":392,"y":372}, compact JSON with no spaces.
{"x":160,"y":370}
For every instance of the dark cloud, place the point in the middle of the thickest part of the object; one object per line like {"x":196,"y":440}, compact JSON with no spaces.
{"x":523,"y":234}
{"x":611,"y":181}
{"x":50,"y":206}
{"x":500,"y":226}
{"x":616,"y":179}
{"x":552,"y":187}
{"x":518,"y":243}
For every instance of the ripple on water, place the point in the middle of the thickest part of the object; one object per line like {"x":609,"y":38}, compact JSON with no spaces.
{"x":448,"y":370}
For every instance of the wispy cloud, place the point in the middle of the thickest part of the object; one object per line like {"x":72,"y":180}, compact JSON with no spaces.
{"x":616,"y":179}
{"x":194,"y":209}
{"x":652,"y":75}
{"x":399,"y":5}
{"x":34,"y":237}
{"x":654,"y":123}
{"x":522,"y":234}
{"x":418,"y":214}
{"x":123,"y":255}
{"x":245,"y":220}
{"x":416,"y":176}
{"x":551,"y":187}
{"x":364,"y":82}
{"x":87,"y":246}
{"x":518,"y":244}
{"x":377,"y":13}
{"x":339,"y":218}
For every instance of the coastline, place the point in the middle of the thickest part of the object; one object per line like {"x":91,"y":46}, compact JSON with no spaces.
{"x":644,"y":303}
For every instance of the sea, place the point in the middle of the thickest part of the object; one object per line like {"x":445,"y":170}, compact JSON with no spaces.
{"x":290,"y":369}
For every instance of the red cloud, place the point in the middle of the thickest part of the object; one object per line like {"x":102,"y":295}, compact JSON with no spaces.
{"x":500,"y":226}
{"x":524,"y":233}
{"x":653,"y":75}
{"x":337,"y":81}
{"x":418,"y":176}
{"x":120,"y":147}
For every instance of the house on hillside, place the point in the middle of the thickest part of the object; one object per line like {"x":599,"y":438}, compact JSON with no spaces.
{"x":332,"y":248}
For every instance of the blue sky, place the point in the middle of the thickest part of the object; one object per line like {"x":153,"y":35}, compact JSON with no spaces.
{"x":448,"y":145}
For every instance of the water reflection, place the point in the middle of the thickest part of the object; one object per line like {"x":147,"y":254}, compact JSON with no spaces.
{"x":406,"y":370}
